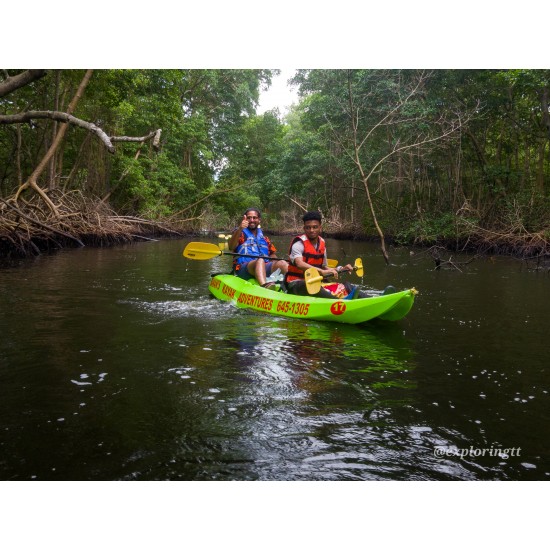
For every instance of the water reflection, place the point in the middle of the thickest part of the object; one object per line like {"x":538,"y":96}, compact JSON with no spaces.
{"x":116,"y":364}
{"x":292,"y":399}
{"x":298,"y":388}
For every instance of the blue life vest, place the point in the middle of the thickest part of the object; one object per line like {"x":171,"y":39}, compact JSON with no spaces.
{"x":255,"y":245}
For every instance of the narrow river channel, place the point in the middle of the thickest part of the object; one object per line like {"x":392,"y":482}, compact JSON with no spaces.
{"x":116,"y":364}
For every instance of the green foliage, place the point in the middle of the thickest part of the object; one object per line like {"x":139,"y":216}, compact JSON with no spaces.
{"x":430,"y":229}
{"x":300,"y":170}
{"x":218,"y":157}
{"x":234,"y":204}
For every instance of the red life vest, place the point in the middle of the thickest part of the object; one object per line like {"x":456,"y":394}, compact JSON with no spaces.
{"x":311,"y":255}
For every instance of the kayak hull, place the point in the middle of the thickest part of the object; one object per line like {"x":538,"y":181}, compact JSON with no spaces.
{"x":250,"y":295}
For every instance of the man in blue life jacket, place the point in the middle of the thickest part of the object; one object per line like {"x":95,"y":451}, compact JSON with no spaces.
{"x":248,"y":238}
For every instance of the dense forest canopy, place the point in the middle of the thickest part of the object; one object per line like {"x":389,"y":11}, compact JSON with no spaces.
{"x":418,"y":156}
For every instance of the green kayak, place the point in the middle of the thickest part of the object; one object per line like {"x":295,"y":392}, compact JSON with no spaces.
{"x":248,"y":294}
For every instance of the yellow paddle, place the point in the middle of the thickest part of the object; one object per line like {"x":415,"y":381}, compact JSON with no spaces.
{"x":358,"y":267}
{"x":206,"y":251}
{"x":224,"y":246}
{"x":313,"y":278}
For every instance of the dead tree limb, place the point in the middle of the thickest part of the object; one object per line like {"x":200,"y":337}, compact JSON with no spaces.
{"x":61,"y":117}
{"x":90,"y":126}
{"x":297,"y":203}
{"x":13,"y":83}
{"x":154,"y":135}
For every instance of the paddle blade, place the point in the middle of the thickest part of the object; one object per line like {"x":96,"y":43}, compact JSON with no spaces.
{"x":332,"y":263}
{"x":201,"y":251}
{"x":313,"y":280}
{"x":358,"y":267}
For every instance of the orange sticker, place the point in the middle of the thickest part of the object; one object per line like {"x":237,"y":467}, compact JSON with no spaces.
{"x":337,"y":308}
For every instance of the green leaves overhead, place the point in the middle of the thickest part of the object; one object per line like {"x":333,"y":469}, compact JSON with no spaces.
{"x":202,"y":114}
{"x":217,"y":154}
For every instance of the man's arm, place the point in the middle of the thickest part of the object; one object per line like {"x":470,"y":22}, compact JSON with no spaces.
{"x":234,"y":240}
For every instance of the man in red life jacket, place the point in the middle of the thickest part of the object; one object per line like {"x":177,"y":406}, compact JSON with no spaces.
{"x":249,"y":239}
{"x":309,"y":250}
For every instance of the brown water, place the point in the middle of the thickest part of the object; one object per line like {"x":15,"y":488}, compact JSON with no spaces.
{"x":116,"y":364}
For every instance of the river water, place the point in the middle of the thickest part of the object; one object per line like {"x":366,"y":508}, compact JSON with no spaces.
{"x":115,"y":364}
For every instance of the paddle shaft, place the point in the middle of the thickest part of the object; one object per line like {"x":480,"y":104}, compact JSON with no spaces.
{"x":205,"y":251}
{"x":325,"y":277}
{"x":250,"y":256}
{"x":270,"y":258}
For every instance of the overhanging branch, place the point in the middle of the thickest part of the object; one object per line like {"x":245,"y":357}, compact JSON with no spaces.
{"x":90,"y":126}
{"x":154,"y":135}
{"x":61,"y":117}
{"x":13,"y":83}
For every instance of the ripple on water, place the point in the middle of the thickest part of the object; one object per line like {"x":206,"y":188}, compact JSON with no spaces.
{"x":203,"y":307}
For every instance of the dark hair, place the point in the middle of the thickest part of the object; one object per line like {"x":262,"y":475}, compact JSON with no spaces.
{"x":253,"y":210}
{"x":311,"y":216}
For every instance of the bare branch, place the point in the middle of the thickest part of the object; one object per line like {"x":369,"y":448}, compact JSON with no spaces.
{"x":297,"y":203}
{"x":397,"y":107}
{"x":396,"y":149}
{"x":13,"y":83}
{"x":62,"y":117}
{"x":90,"y":126}
{"x":154,"y":135}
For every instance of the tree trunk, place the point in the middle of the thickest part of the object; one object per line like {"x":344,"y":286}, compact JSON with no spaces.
{"x":540,"y":170}
{"x":354,"y":118}
{"x":18,"y":156}
{"x":52,"y":184}
{"x":376,"y":224}
{"x":32,"y":181}
{"x":544,"y":95}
